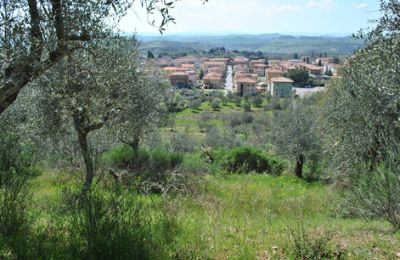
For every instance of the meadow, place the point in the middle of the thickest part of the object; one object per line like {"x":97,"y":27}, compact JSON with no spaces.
{"x":213,"y":213}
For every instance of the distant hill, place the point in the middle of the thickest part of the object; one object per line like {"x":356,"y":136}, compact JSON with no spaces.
{"x":269,"y":43}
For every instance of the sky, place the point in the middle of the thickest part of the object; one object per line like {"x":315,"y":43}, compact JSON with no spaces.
{"x":325,"y":17}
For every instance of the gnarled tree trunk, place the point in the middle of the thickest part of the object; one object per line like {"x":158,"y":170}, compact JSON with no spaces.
{"x":298,"y":170}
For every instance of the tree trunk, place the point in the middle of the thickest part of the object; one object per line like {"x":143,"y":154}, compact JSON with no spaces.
{"x":298,"y":170}
{"x":135,"y":147}
{"x":83,"y":143}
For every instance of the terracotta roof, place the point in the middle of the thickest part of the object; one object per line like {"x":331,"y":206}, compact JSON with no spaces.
{"x":178,"y":74}
{"x":241,"y":59}
{"x":174,"y":69}
{"x":214,"y":63}
{"x":282,"y":79}
{"x":191,"y":66}
{"x":246,"y":80}
{"x":261,"y":65}
{"x":274,"y":70}
{"x":217,"y":59}
{"x":213,"y":76}
{"x":241,"y":74}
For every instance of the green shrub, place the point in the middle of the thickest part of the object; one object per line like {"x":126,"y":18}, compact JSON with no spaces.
{"x":118,"y":156}
{"x":246,"y":160}
{"x":182,"y":143}
{"x":218,"y":138}
{"x":195,"y":104}
{"x":304,"y":245}
{"x":247,"y":106}
{"x":16,"y":168}
{"x":154,"y":161}
{"x":216,"y":104}
{"x":161,"y":160}
{"x":108,"y":224}
{"x":238,"y":101}
{"x":257,"y":101}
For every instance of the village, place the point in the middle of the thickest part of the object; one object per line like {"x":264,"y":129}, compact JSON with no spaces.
{"x":246,"y":77}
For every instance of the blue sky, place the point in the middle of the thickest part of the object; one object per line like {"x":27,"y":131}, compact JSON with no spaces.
{"x":261,"y":16}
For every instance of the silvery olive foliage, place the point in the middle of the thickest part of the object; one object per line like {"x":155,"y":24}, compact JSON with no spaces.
{"x":97,"y":94}
{"x":296,"y":134}
{"x":36,"y":35}
{"x":364,"y":105}
{"x":145,"y":108}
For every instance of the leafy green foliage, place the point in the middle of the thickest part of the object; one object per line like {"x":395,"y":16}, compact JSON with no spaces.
{"x":305,"y":245}
{"x":246,"y":160}
{"x":16,"y":169}
{"x":299,"y":77}
{"x":216,"y":104}
{"x":257,"y":101}
{"x":107,"y":223}
{"x":247,"y":106}
{"x":363,"y":107}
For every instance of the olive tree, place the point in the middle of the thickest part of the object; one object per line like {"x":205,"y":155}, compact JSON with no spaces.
{"x":36,"y":35}
{"x":363,"y":120}
{"x":364,"y":105}
{"x":88,"y":91}
{"x":296,"y":135}
{"x":144,"y":111}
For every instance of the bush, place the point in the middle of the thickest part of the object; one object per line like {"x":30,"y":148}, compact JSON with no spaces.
{"x":257,"y":101}
{"x":218,"y":138}
{"x":118,"y":157}
{"x":238,"y":101}
{"x":237,"y":119}
{"x":182,"y":143}
{"x":16,"y":168}
{"x":307,"y":246}
{"x":216,"y":104}
{"x":377,"y":193}
{"x":195,"y":104}
{"x":247,"y":106}
{"x":108,"y":224}
{"x":246,"y":160}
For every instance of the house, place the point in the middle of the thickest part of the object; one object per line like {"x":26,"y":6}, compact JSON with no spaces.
{"x":245,"y":75}
{"x":213,"y":80}
{"x":224,"y":60}
{"x":325,"y":61}
{"x":221,"y":66}
{"x":274,"y":62}
{"x":295,"y":62}
{"x":179,"y":79}
{"x":261,"y":87}
{"x":246,"y":86}
{"x":171,"y":70}
{"x":259,"y":69}
{"x":253,"y":63}
{"x":273,"y":72}
{"x":241,"y":68}
{"x":186,"y":60}
{"x":281,"y":87}
{"x":241,"y":61}
{"x":312,"y":69}
{"x":192,"y":76}
{"x":164,"y":62}
{"x":188,"y":66}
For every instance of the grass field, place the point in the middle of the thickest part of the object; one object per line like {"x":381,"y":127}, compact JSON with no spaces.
{"x":232,"y":216}
{"x":255,"y":217}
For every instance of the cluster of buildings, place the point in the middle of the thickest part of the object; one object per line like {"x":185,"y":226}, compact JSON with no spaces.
{"x":249,"y":77}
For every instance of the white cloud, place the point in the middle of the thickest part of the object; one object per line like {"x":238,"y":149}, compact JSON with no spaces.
{"x":285,"y":8}
{"x":321,"y":4}
{"x":359,"y":5}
